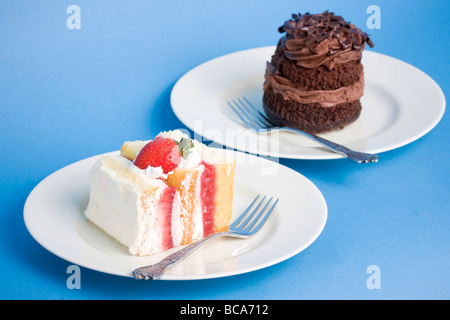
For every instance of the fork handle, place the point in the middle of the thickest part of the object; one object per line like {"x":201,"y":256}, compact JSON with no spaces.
{"x":356,"y":156}
{"x":155,"y":271}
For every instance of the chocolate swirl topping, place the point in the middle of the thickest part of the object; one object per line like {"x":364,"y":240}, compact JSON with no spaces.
{"x":312,"y":41}
{"x":322,"y":39}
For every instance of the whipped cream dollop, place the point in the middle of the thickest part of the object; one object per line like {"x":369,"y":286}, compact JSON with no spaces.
{"x":192,"y":160}
{"x":155,"y":172}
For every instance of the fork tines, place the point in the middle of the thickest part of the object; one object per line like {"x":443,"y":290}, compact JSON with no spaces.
{"x":256,"y":120}
{"x":255,"y":220}
{"x":250,"y":116}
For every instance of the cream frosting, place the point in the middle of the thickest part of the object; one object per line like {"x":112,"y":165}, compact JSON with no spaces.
{"x":326,"y":98}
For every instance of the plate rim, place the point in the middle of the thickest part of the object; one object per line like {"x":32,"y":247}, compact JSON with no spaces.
{"x":28,"y":210}
{"x":328,"y":155}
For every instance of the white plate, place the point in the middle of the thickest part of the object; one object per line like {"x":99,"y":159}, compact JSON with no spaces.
{"x":400,"y":105}
{"x":53,"y":214}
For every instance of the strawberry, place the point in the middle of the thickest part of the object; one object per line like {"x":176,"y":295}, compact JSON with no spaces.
{"x":161,"y":152}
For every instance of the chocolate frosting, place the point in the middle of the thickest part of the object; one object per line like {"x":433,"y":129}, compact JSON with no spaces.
{"x":312,"y":41}
{"x":326,"y":98}
{"x":321,"y":39}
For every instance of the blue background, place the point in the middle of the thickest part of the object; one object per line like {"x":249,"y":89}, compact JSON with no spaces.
{"x":69,"y":94}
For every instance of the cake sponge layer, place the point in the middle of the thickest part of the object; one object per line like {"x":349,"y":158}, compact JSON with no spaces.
{"x":309,"y":117}
{"x":132,"y":208}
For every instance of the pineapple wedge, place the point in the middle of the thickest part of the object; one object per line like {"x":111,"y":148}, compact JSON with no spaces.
{"x":130,"y":149}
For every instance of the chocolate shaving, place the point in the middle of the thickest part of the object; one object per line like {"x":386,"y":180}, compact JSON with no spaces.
{"x":318,"y":27}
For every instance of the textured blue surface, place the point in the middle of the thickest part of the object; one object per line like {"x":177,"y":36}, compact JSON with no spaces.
{"x":69,"y":94}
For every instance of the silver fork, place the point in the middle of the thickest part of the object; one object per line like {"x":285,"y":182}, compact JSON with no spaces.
{"x":243,"y":227}
{"x":256,"y":120}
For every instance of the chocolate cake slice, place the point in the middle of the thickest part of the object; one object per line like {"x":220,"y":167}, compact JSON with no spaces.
{"x":315,"y":78}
